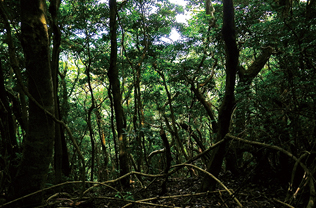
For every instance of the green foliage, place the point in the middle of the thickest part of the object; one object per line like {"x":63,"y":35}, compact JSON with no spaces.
{"x":277,"y":107}
{"x":127,"y":196}
{"x":185,"y":63}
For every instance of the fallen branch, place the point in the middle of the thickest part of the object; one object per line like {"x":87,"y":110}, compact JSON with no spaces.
{"x":173,"y":197}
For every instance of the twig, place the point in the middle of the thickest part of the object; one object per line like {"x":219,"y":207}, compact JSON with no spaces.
{"x":220,"y":196}
{"x":131,"y":201}
{"x":58,"y":194}
{"x":101,"y":184}
{"x":283,"y":203}
{"x":174,"y":196}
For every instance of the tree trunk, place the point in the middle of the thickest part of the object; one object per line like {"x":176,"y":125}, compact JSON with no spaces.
{"x":38,"y":146}
{"x":62,"y":111}
{"x":117,"y":97}
{"x":168,"y":160}
{"x":58,"y":154}
{"x":9,"y":147}
{"x":179,"y":145}
{"x":243,"y":92}
{"x":103,"y":171}
{"x":225,"y":111}
{"x":138,"y":116}
{"x":92,"y":107}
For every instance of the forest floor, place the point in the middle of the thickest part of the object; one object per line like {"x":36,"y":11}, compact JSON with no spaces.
{"x":185,"y":193}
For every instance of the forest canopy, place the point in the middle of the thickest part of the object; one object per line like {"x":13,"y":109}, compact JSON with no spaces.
{"x":105,"y":98}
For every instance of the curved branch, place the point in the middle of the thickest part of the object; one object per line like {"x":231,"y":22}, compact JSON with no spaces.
{"x":253,"y":70}
{"x":216,"y":179}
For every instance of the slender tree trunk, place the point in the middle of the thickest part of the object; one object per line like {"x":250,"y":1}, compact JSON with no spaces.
{"x":113,"y":128}
{"x":138,"y":112}
{"x":138,"y":116}
{"x":9,"y":147}
{"x":91,"y":140}
{"x":38,"y":146}
{"x":62,"y":108}
{"x":179,"y":144}
{"x":103,"y":173}
{"x":53,"y":9}
{"x":92,"y":107}
{"x":168,"y":160}
{"x":225,"y":111}
{"x":117,"y":97}
{"x":198,"y":141}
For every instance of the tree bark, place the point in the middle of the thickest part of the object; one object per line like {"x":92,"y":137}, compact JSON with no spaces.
{"x":9,"y":146}
{"x":103,"y":173}
{"x":117,"y":97}
{"x":243,"y":91}
{"x":92,"y":107}
{"x":207,"y":105}
{"x":58,"y":153}
{"x":179,"y":144}
{"x":168,"y":160}
{"x":225,"y":111}
{"x":38,"y":145}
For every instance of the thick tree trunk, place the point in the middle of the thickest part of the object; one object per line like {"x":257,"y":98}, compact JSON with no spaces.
{"x":225,"y":111}
{"x":117,"y":97}
{"x":38,"y":146}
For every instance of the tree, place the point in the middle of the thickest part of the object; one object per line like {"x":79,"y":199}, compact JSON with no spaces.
{"x":117,"y":97}
{"x":227,"y":105}
{"x":61,"y":162}
{"x":38,"y":145}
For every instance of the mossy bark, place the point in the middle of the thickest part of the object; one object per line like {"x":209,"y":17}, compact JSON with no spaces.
{"x":38,"y":145}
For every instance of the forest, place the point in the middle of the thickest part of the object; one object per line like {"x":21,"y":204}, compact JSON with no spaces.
{"x":157,"y":103}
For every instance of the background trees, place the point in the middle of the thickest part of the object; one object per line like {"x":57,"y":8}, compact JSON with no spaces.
{"x":117,"y":81}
